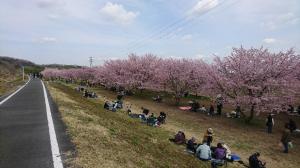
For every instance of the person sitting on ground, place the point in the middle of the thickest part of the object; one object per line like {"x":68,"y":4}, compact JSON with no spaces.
{"x":232,"y":114}
{"x":85,"y":94}
{"x":144,"y":115}
{"x":286,"y":138}
{"x":219,"y":156}
{"x":254,"y":161}
{"x":106,"y":105}
{"x":191,"y":145}
{"x":179,"y":138}
{"x":202,"y":109}
{"x":238,"y":111}
{"x":194,"y":106}
{"x":290,"y":109}
{"x":119,"y":104}
{"x":162,"y":118}
{"x":157,"y":98}
{"x":208,"y":136}
{"x":152,"y":120}
{"x":119,"y":97}
{"x":292,"y":125}
{"x":94,"y":95}
{"x":227,"y":149}
{"x":211,"y":110}
{"x":203,"y":152}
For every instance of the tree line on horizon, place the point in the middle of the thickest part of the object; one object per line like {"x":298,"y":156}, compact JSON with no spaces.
{"x":255,"y":79}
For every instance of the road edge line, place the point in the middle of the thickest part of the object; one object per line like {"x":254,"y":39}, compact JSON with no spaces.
{"x":11,"y":95}
{"x":57,"y":162}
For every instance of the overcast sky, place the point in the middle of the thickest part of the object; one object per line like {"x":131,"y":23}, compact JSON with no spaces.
{"x":70,"y":31}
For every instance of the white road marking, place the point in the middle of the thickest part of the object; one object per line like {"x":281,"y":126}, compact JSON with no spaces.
{"x":8,"y":97}
{"x":54,"y":145}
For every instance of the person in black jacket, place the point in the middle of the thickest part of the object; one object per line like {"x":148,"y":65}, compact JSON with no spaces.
{"x":292,"y":125}
{"x":254,"y":161}
{"x":269,"y":123}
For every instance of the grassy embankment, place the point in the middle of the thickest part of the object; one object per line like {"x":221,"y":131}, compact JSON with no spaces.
{"x":244,"y":139}
{"x":107,"y":139}
{"x":9,"y":83}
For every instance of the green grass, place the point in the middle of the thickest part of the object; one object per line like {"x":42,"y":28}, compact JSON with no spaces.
{"x":113,"y":139}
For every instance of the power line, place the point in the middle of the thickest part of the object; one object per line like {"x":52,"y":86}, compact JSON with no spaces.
{"x":166,"y":30}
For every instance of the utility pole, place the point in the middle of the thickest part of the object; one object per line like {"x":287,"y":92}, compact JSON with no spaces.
{"x":91,"y":61}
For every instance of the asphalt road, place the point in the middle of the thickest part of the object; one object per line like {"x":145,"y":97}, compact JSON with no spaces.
{"x":24,"y":132}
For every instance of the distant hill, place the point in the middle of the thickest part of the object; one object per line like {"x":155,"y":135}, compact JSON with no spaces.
{"x":60,"y":66}
{"x":10,"y":65}
{"x":11,"y":71}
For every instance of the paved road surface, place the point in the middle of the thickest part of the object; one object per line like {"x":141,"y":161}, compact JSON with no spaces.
{"x":24,"y":132}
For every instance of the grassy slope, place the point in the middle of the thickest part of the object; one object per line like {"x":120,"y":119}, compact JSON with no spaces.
{"x":11,"y":74}
{"x":106,"y":139}
{"x":243,"y":139}
{"x":9,"y":82}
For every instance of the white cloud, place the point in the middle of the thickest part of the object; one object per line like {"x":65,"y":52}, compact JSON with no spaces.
{"x":187,"y":37}
{"x":269,"y":40}
{"x":203,"y":6}
{"x":118,"y":13}
{"x":47,"y":40}
{"x":274,"y":21}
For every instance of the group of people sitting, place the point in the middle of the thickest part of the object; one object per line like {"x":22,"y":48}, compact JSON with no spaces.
{"x":89,"y":94}
{"x":235,"y":113}
{"x":217,"y":155}
{"x":205,"y":151}
{"x":150,"y":120}
{"x":86,"y":93}
{"x":114,"y":105}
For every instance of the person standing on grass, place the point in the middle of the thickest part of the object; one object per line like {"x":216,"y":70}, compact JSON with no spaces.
{"x":219,"y":104}
{"x":208,"y":136}
{"x":269,"y":123}
{"x":211,"y":110}
{"x":292,"y":125}
{"x":286,"y":138}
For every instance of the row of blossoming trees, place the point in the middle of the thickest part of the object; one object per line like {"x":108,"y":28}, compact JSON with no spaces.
{"x":256,"y":79}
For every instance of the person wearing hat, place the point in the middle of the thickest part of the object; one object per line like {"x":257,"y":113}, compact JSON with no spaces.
{"x":208,"y":136}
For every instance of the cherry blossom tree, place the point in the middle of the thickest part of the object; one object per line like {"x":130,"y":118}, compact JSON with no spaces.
{"x":255,"y":78}
{"x":180,"y":76}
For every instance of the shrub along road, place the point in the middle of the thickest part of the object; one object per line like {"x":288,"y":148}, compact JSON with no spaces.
{"x":27,"y":135}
